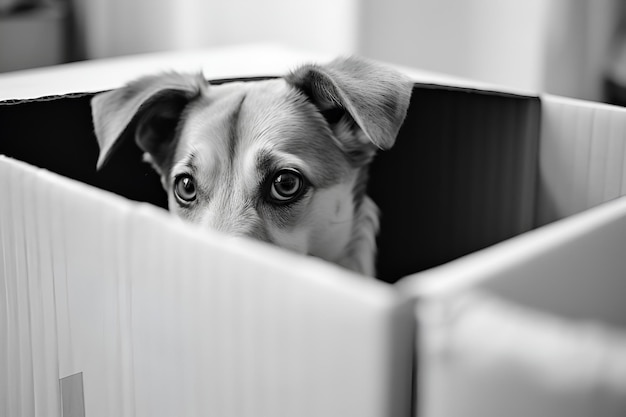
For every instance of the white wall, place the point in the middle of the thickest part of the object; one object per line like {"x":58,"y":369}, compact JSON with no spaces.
{"x":558,"y":46}
{"x":119,"y":27}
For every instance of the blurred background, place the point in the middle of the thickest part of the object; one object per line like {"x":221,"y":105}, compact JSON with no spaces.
{"x":567,"y":47}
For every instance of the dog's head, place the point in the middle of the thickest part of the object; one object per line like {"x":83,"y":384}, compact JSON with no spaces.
{"x":281,"y":160}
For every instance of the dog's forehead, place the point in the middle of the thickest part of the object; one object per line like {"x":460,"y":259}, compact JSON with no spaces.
{"x":244,"y":119}
{"x":244,"y":111}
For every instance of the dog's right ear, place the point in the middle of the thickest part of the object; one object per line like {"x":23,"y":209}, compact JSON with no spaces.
{"x":375,"y":96}
{"x":148,"y":109}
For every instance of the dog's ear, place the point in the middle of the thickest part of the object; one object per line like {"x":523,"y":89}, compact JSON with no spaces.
{"x":148,"y":109}
{"x":376,"y":97}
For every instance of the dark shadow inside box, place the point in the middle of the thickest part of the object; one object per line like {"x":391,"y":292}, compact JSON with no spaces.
{"x":461,"y":177}
{"x":56,"y":133}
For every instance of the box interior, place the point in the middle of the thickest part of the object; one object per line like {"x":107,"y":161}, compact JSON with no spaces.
{"x":461,"y":176}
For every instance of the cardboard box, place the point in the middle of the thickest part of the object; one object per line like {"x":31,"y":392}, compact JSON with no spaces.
{"x":497,"y":234}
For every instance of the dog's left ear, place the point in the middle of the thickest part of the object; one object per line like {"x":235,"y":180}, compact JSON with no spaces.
{"x":147,"y":109}
{"x":375,"y":96}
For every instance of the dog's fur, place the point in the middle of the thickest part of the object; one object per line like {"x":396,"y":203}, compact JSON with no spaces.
{"x":227,"y":143}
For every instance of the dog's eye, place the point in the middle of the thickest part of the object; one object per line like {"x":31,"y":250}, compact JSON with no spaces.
{"x":287,"y":185}
{"x":185,"y":188}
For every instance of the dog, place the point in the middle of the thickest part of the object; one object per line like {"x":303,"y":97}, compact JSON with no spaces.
{"x":281,"y":160}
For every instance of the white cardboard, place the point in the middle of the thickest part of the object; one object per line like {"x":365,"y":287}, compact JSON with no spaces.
{"x":535,"y":325}
{"x":582,"y":156}
{"x":163,"y":320}
{"x":484,"y":356}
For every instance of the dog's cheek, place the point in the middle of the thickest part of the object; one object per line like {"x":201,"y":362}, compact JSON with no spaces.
{"x":286,"y":226}
{"x":295,"y":239}
{"x":331,"y":222}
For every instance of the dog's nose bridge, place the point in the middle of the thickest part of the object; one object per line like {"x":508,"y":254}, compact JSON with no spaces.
{"x":236,"y":217}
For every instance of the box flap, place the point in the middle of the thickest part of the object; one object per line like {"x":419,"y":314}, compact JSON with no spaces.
{"x":573,"y":267}
{"x":582,"y":157}
{"x":162,"y":319}
{"x":534,"y":325}
{"x":482,"y":355}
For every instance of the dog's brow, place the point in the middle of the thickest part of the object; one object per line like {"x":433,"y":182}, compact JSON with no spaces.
{"x":268,"y":161}
{"x":189,"y":161}
{"x":265,"y":161}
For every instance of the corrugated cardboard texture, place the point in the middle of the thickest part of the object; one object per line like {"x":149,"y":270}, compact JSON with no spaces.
{"x":582,"y":157}
{"x":460,"y":177}
{"x":164,"y":320}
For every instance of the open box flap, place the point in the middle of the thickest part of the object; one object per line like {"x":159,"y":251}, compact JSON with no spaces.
{"x":535,"y":324}
{"x":580,"y":241}
{"x":582,"y":156}
{"x":483,"y":355}
{"x":118,"y":292}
